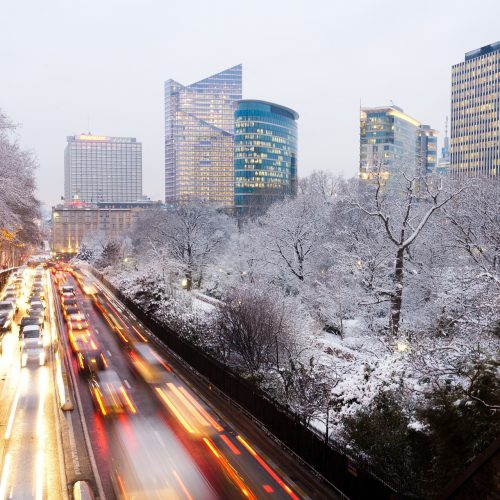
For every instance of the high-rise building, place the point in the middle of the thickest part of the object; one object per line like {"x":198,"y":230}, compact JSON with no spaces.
{"x":99,"y":168}
{"x":444,"y":161}
{"x":265,"y":155}
{"x":475,"y":113}
{"x":392,"y":142}
{"x":427,"y":149}
{"x":199,"y":132}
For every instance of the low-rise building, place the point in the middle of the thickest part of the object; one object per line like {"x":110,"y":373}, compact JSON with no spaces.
{"x":75,"y":222}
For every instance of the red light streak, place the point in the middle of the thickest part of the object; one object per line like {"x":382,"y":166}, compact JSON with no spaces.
{"x":267,"y":468}
{"x":230,"y":445}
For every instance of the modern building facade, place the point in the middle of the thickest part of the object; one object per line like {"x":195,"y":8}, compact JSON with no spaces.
{"x":265,"y":155}
{"x":100,"y":168}
{"x":475,"y":114}
{"x":444,"y":160}
{"x":392,"y":142}
{"x":199,"y":133}
{"x":75,"y":222}
{"x":427,"y":149}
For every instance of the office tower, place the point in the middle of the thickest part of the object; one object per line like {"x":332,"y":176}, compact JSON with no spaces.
{"x":475,"y":113}
{"x":265,"y":155}
{"x":199,"y":132}
{"x":427,"y":149}
{"x":444,"y":161}
{"x":99,"y":168}
{"x":392,"y":142}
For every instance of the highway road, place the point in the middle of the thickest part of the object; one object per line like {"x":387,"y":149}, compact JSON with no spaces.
{"x":157,"y":431}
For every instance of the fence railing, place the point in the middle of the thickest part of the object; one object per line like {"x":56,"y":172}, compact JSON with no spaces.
{"x":350,"y":475}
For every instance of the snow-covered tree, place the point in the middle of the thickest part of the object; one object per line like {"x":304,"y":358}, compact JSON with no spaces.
{"x":19,"y":208}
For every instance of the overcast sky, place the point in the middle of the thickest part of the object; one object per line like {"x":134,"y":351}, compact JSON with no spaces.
{"x":68,"y":67}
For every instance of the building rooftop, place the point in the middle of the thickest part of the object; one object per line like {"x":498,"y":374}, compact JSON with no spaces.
{"x":98,"y":138}
{"x":395,"y":111}
{"x":277,"y":107}
{"x":482,"y":51}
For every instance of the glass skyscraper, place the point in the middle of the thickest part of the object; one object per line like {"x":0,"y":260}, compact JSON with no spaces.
{"x":265,"y":155}
{"x":199,"y":133}
{"x":475,"y":114}
{"x":99,"y":168}
{"x":392,"y":142}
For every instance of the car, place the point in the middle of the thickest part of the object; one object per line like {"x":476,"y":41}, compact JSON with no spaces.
{"x":90,"y":358}
{"x":29,"y":320}
{"x":81,"y":340}
{"x":37,"y":289}
{"x":41,"y":296}
{"x":64,"y":289}
{"x":12,"y":297}
{"x":14,"y":290}
{"x":67,"y":296}
{"x":67,"y":311}
{"x":77,"y":322}
{"x":8,"y":307}
{"x":37,"y":308}
{"x":5,"y":322}
{"x":32,"y":348}
{"x":38,"y":314}
{"x":109,"y":394}
{"x":147,"y":363}
{"x":68,"y":301}
{"x":38,"y":283}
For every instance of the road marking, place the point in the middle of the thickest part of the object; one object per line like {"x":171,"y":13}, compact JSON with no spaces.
{"x":109,"y":354}
{"x":126,"y":382}
{"x":10,"y":422}
{"x":97,"y":331}
{"x":5,"y":475}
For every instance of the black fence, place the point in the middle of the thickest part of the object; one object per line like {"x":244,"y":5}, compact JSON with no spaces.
{"x":337,"y":468}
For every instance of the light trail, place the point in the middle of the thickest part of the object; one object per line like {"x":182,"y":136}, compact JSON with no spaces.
{"x":227,"y":467}
{"x":5,"y":476}
{"x":182,"y":485}
{"x":39,"y":475}
{"x":267,"y":468}
{"x":20,"y":387}
{"x":188,"y":405}
{"x":202,"y":410}
{"x":175,"y":411}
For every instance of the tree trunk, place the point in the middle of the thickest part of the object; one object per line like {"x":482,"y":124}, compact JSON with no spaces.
{"x":397,"y":293}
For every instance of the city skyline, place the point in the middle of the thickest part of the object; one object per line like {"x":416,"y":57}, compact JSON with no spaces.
{"x":326,"y":71}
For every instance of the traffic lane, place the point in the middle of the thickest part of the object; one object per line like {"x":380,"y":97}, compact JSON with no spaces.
{"x":99,"y":428}
{"x":233,"y":452}
{"x":95,"y":426}
{"x":31,"y":467}
{"x":144,"y":401}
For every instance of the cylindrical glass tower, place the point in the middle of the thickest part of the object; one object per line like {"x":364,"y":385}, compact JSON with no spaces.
{"x":265,"y":155}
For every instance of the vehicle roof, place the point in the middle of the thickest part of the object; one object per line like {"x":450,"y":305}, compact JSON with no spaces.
{"x":31,"y":328}
{"x":146,"y":352}
{"x":77,"y":317}
{"x":3,"y":303}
